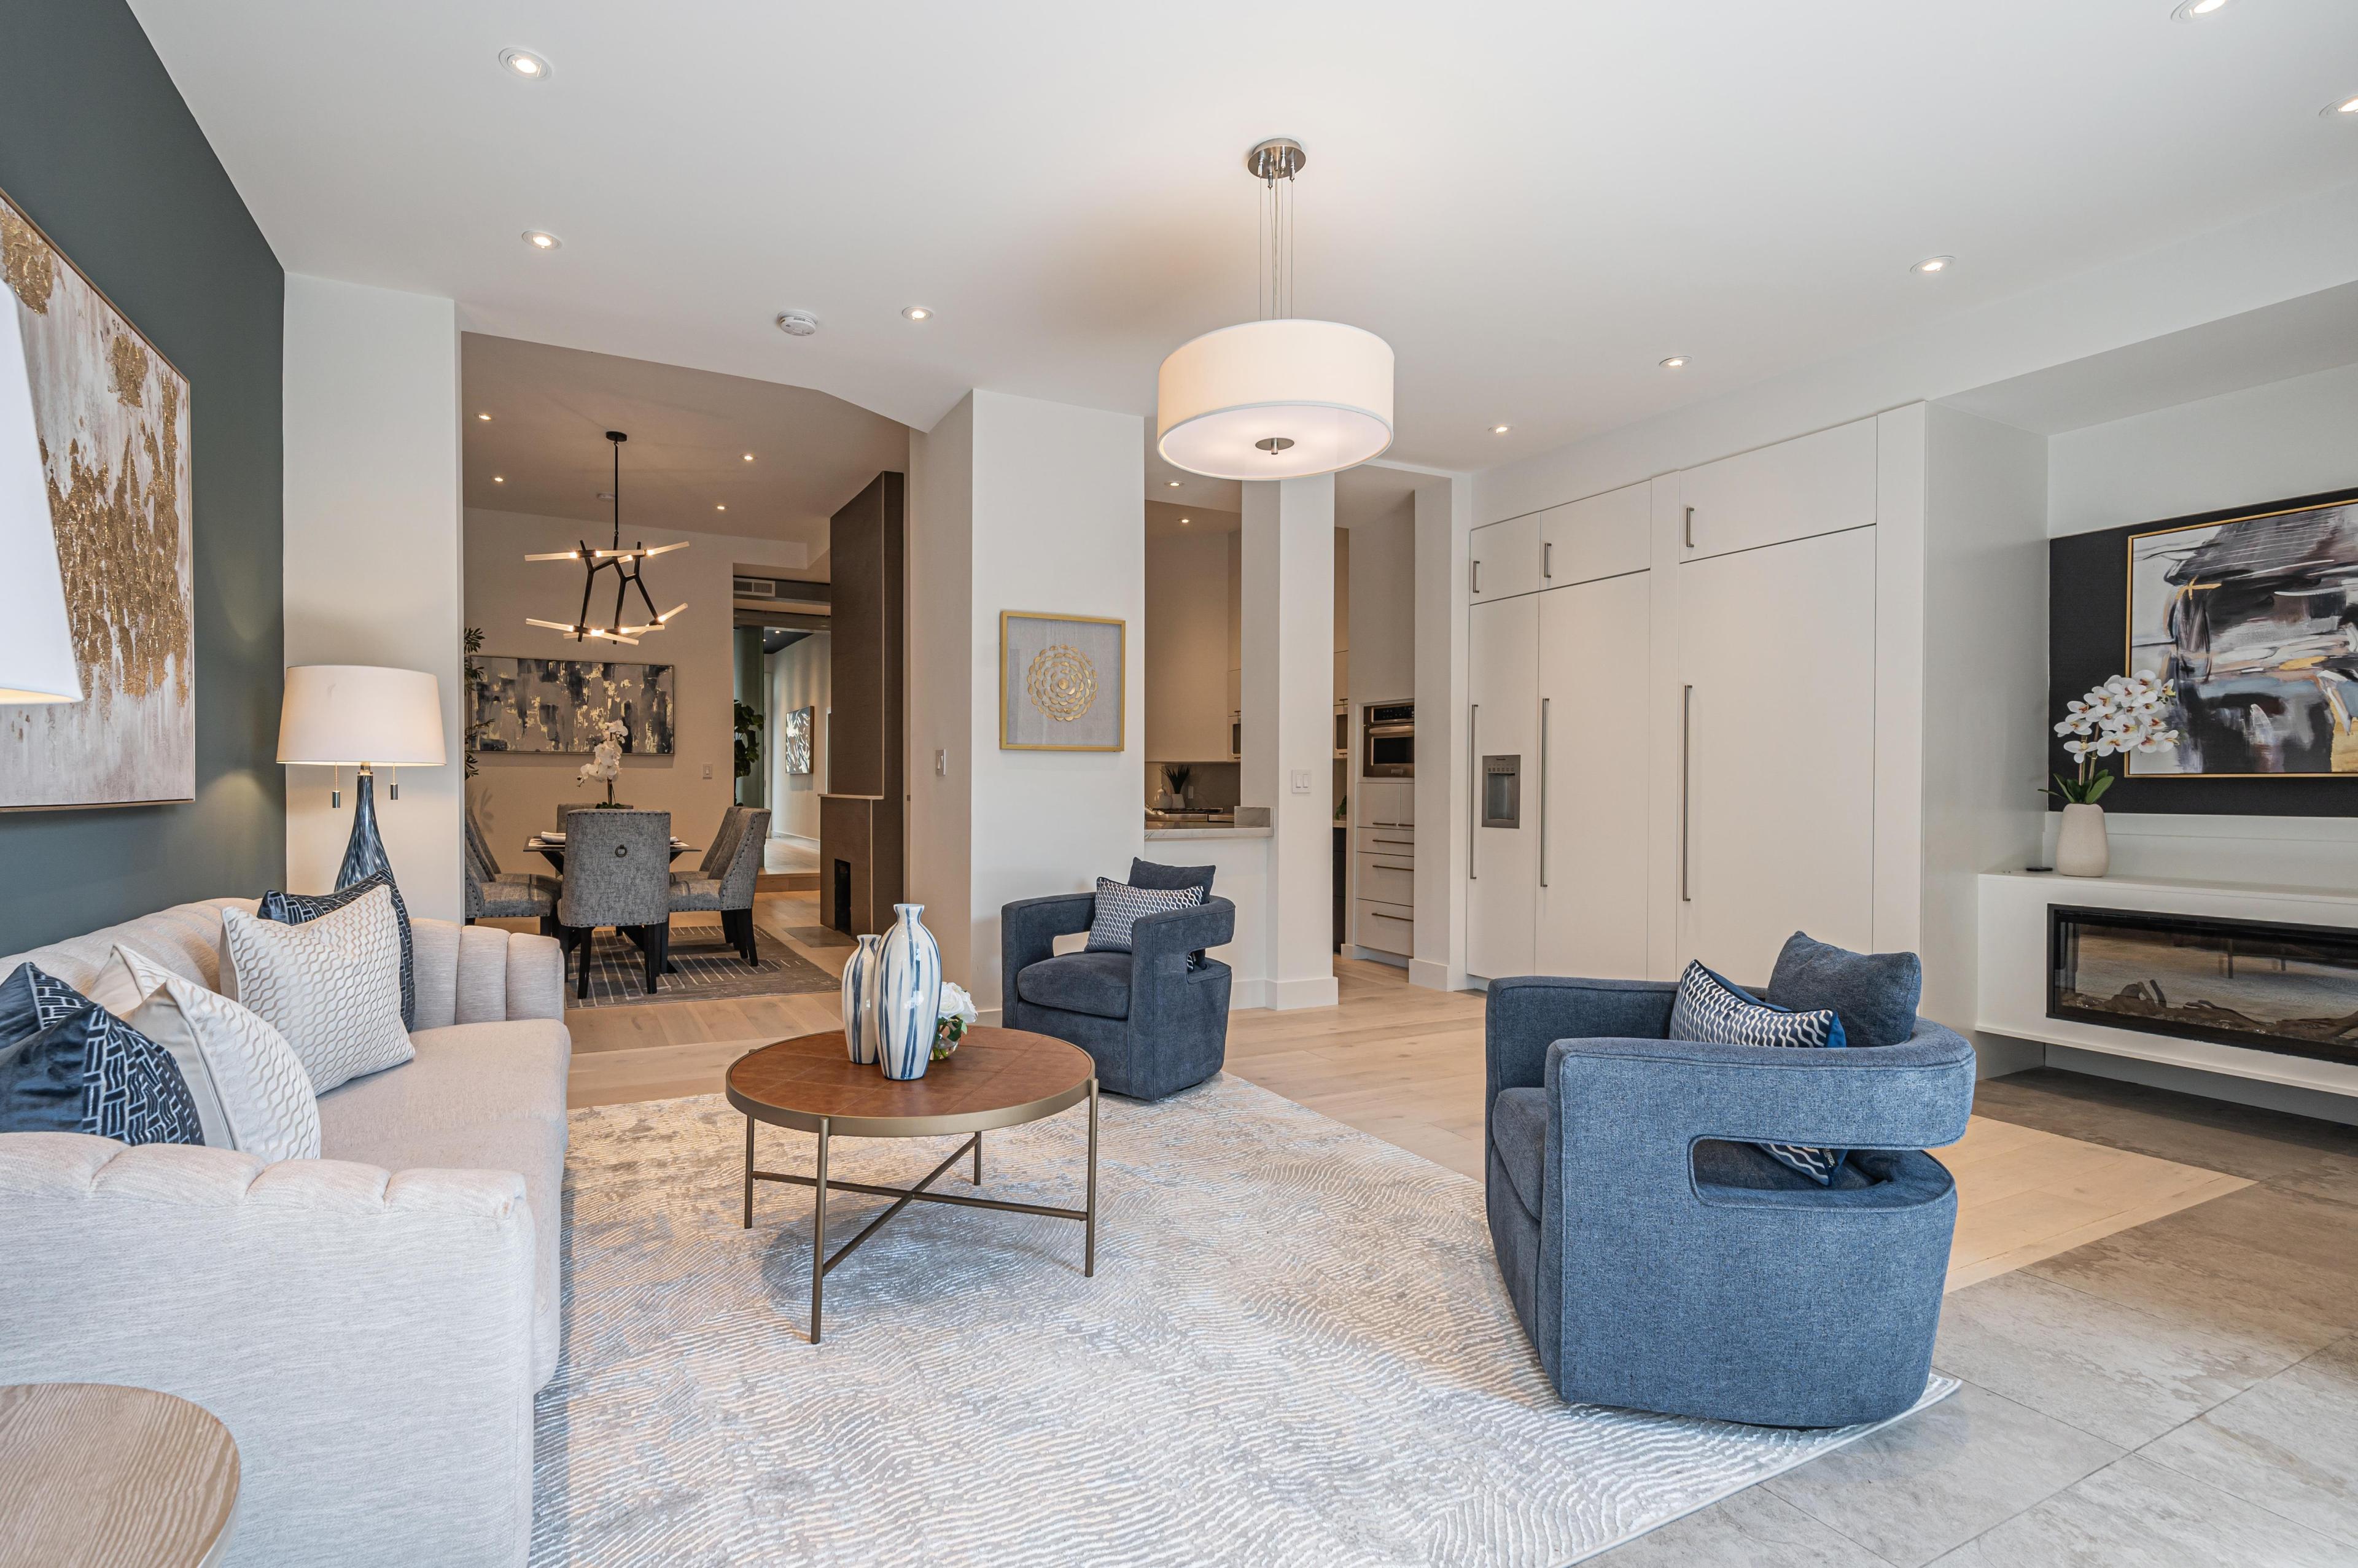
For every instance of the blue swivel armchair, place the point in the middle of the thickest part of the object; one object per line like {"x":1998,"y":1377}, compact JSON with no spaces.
{"x":1153,"y":1021}
{"x":1660,"y":1261}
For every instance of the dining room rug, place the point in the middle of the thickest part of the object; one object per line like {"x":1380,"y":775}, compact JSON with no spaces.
{"x":704,"y":968}
{"x":1296,"y":1351}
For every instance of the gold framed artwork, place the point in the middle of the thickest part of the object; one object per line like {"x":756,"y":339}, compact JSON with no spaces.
{"x":113,"y":416}
{"x":1060,"y":682}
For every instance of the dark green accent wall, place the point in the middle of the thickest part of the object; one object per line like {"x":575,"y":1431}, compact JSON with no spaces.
{"x":97,"y":147}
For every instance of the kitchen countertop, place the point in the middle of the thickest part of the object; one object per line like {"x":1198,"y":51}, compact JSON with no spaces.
{"x":1224,"y":830}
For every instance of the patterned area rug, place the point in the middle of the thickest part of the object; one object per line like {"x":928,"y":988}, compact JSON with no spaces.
{"x":704,"y":968}
{"x":1296,"y":1351}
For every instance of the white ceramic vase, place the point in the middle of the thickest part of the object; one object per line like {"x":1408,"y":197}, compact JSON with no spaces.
{"x":860,"y":1000}
{"x":908,"y":995}
{"x":2081,"y":849}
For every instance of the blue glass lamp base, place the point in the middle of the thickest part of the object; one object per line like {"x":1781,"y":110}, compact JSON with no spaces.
{"x":364,"y":854}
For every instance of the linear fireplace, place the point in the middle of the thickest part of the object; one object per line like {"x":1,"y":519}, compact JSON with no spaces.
{"x":2254,"y":983}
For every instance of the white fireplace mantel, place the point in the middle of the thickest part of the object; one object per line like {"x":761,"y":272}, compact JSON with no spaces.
{"x":2012,"y":990}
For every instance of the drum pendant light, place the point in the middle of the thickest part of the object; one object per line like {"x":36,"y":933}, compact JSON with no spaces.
{"x":1283,"y":397}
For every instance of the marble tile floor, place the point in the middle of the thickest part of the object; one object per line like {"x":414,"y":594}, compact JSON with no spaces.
{"x":2179,"y":1394}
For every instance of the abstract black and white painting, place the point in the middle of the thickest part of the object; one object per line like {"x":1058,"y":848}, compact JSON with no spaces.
{"x":561,"y":705}
{"x":2254,"y":622}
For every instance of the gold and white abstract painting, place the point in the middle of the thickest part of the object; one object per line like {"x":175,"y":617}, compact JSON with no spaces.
{"x":113,"y":417}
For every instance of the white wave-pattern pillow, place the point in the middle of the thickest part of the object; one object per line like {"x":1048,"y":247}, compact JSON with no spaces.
{"x":251,"y":1089}
{"x":332,"y":986}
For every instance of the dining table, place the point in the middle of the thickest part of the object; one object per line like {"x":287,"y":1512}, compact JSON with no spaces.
{"x":553,"y":850}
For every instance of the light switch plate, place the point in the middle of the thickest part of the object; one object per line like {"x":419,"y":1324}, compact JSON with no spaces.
{"x":1301,"y":781}
{"x":708,"y":770}
{"x":941,"y":763}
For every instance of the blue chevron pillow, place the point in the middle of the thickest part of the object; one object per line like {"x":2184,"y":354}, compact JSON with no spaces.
{"x":67,"y":1065}
{"x":1710,"y":1010}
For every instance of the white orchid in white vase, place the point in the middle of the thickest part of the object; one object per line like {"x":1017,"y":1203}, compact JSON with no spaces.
{"x":958,"y":1015}
{"x":605,"y":764}
{"x":2122,"y":716}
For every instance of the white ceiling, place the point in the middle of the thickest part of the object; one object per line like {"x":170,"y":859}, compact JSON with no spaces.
{"x":1533,"y":202}
{"x":544,"y":449}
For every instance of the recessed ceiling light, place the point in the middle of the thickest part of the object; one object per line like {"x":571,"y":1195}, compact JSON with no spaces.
{"x":917,"y":313}
{"x":720,"y":509}
{"x":525,"y":63}
{"x":1185,"y":521}
{"x":542,"y":240}
{"x":749,"y":457}
{"x":499,"y":479}
{"x":2339,"y":107}
{"x":1932,"y":264}
{"x":1171,"y":482}
{"x":1676,"y":361}
{"x":1501,"y":429}
{"x":798,"y":323}
{"x":2193,"y":10}
{"x":484,"y":418}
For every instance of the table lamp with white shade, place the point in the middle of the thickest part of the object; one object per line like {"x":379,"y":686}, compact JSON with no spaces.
{"x":362,"y":716}
{"x":37,"y":654}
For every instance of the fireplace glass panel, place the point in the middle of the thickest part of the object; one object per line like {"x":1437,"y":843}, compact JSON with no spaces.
{"x":2270,"y":987}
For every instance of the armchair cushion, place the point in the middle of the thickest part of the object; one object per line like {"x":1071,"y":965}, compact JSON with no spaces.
{"x":1519,"y":1131}
{"x":1147,"y":874}
{"x":1874,"y":994}
{"x":1709,"y":1009}
{"x":1094,"y":983}
{"x":1120,"y":906}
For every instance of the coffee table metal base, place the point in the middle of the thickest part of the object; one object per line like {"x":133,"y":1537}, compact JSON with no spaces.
{"x":822,"y":1264}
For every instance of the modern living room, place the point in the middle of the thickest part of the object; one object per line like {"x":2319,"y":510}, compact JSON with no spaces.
{"x":1774,"y":983}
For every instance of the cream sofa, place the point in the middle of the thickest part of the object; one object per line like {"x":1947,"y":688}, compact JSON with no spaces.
{"x":372,"y":1325}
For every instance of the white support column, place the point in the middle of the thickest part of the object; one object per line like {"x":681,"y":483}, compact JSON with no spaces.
{"x":1289,"y":724}
{"x":1444,"y":798}
{"x":372,"y":555}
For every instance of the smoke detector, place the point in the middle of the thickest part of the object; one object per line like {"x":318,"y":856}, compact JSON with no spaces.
{"x":798,"y":323}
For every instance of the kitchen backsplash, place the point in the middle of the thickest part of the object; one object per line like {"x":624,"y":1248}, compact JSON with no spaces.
{"x":1210,"y":786}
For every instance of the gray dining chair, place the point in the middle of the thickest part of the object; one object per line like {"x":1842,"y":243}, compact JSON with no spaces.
{"x":617,"y":873}
{"x":494,"y":894}
{"x":727,"y":877}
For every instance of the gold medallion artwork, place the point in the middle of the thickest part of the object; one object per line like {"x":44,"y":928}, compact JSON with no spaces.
{"x":1062,"y":681}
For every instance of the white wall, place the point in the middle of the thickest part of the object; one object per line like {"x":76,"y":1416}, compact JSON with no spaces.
{"x":1381,"y":635}
{"x":801,"y":676}
{"x":372,"y":554}
{"x":1185,"y":648}
{"x":1444,"y":794}
{"x":516,"y":794}
{"x":1038,"y":505}
{"x":2266,"y":443}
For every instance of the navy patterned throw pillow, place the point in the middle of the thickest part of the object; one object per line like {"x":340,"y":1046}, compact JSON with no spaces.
{"x":295,"y":909}
{"x":1710,"y":1010}
{"x":1120,"y":906}
{"x":67,"y":1065}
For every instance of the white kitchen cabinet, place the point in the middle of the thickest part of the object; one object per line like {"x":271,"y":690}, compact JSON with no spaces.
{"x":1386,"y":803}
{"x":1397,"y":840}
{"x":1602,"y":536}
{"x":1814,"y":484}
{"x":1383,"y":928}
{"x":1777,"y":678}
{"x":1502,"y":689}
{"x":1505,"y":559}
{"x":1388,"y":879}
{"x":1594,"y":666}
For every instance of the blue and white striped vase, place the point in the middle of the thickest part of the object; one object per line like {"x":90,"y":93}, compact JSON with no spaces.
{"x":860,"y":1000}
{"x":908,"y":995}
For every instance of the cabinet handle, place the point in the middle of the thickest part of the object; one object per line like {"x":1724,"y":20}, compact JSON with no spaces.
{"x":1477,"y":576}
{"x":1686,"y":772}
{"x":1690,"y":527}
{"x":1547,"y":559}
{"x":1382,"y":866}
{"x":1473,"y":788}
{"x":1403,"y":919}
{"x":1410,"y":842}
{"x":1544,"y":789}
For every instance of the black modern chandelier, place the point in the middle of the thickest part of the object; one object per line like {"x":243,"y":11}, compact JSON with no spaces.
{"x":627,"y":567}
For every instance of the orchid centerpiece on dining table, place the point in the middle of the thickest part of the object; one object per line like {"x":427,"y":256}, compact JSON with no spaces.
{"x":605,"y":764}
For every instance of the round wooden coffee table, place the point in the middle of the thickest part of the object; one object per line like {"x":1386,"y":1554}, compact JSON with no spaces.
{"x":98,"y":1475}
{"x":998,"y":1077}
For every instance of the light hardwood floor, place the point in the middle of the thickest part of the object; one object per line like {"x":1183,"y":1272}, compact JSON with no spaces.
{"x":1404,"y":1065}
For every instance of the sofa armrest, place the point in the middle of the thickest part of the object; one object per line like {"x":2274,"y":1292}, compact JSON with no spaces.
{"x":1523,"y":1017}
{"x":1028,"y":930}
{"x":330,"y":1313}
{"x":483,"y":974}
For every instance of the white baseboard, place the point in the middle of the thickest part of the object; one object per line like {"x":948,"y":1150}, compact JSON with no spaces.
{"x":1376,"y":956}
{"x":1244,"y":993}
{"x":2291,"y":1098}
{"x":1435,"y":976}
{"x":1286,"y":996}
